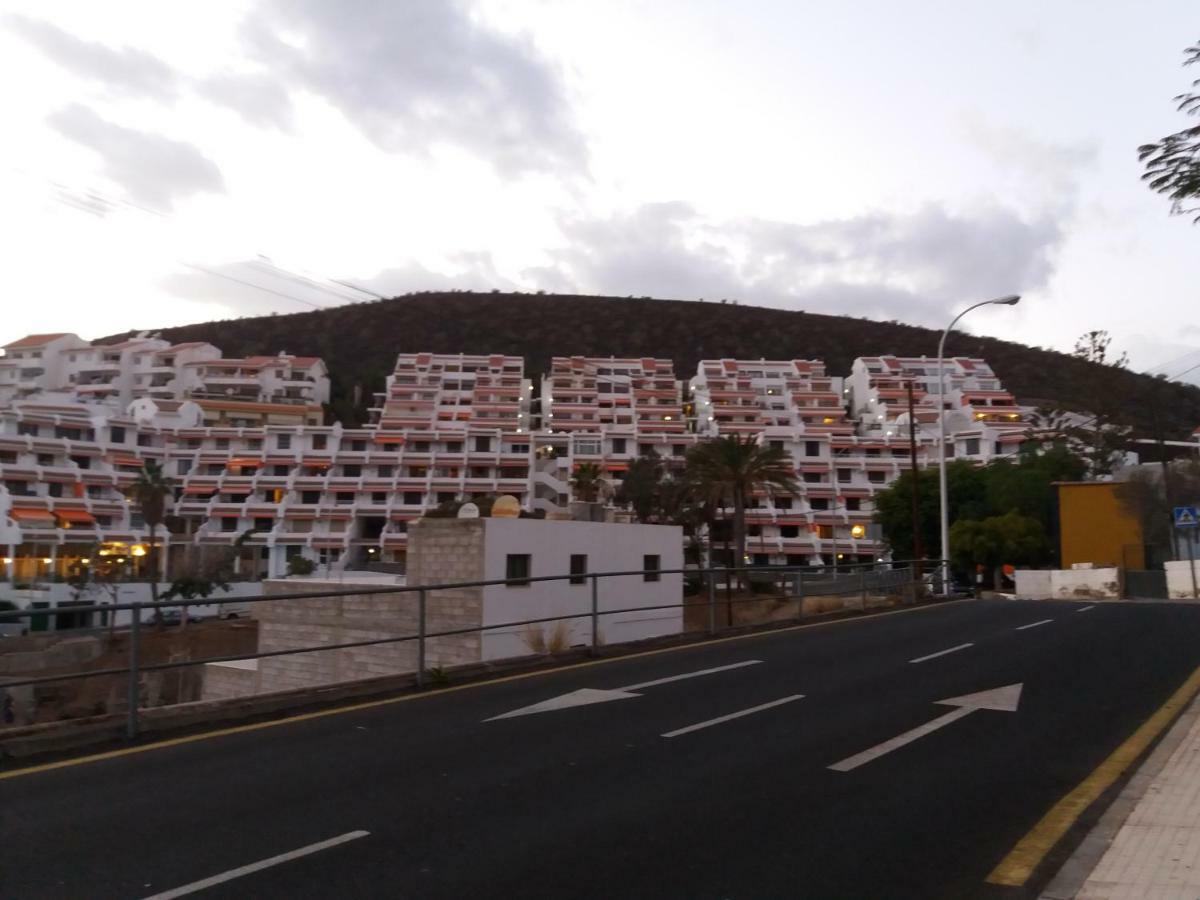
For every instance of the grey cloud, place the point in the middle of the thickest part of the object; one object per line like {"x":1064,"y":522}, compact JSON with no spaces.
{"x":472,"y":271}
{"x":255,"y":287}
{"x":153,"y":170}
{"x":913,"y":266}
{"x":414,"y":74}
{"x":128,"y":70}
{"x":256,"y":97}
{"x":1048,"y":171}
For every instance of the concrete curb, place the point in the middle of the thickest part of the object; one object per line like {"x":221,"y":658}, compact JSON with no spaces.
{"x":1080,"y":865}
{"x":30,"y":742}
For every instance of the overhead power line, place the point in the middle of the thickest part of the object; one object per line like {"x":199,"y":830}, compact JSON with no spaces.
{"x":257,"y":287}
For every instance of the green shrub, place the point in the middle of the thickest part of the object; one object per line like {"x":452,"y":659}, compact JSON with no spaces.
{"x":301,"y":565}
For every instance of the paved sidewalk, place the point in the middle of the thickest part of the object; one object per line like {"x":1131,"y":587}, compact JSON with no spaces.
{"x":1156,"y":852}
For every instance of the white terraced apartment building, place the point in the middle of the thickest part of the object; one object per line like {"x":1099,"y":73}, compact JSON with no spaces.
{"x":245,"y":443}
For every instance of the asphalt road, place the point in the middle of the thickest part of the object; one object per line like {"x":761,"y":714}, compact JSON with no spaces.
{"x":594,"y":800}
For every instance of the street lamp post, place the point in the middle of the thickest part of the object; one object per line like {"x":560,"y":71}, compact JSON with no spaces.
{"x":943,"y":500}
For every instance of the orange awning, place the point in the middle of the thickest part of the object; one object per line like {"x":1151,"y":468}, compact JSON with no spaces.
{"x":75,"y":516}
{"x":125,"y":461}
{"x":32,"y":515}
{"x":195,"y":489}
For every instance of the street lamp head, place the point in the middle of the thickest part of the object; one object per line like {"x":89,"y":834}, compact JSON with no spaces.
{"x":1010,"y":300}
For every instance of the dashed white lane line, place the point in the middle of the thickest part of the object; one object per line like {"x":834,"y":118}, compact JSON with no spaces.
{"x":1086,"y":608}
{"x":258,"y":866}
{"x":1034,"y":624}
{"x":670,"y":678}
{"x":921,"y":659}
{"x":736,"y":715}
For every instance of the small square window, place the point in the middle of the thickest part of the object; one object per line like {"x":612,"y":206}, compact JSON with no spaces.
{"x":516,"y":569}
{"x":651,"y":563}
{"x":578,"y":568}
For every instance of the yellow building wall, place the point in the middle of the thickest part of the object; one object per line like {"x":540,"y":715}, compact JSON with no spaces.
{"x":1095,"y":528}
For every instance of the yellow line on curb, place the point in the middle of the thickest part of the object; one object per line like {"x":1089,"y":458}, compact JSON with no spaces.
{"x":371,"y":704}
{"x":1014,"y":870}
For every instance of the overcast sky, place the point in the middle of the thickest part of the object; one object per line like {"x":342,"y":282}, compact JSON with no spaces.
{"x":169,"y":163}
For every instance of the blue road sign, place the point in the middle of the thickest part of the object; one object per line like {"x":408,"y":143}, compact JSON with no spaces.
{"x":1186,"y":517}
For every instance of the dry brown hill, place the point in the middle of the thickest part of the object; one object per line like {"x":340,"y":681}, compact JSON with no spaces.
{"x":359,"y":343}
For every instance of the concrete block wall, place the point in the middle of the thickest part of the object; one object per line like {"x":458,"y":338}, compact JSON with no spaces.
{"x":326,"y":621}
{"x":1085,"y":584}
{"x":442,"y":551}
{"x":1068,"y":584}
{"x":224,"y":681}
{"x":1032,"y":584}
{"x":1179,"y":579}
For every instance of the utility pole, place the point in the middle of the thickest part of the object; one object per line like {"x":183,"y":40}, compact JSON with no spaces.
{"x":918,"y":551}
{"x":1166,"y":470}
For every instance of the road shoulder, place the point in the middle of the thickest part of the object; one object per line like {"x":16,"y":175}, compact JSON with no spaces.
{"x":1148,"y":837}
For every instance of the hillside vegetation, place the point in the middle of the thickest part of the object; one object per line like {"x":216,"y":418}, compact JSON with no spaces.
{"x":359,"y":343}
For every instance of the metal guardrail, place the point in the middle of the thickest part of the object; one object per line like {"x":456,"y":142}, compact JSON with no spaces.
{"x":783,"y":582}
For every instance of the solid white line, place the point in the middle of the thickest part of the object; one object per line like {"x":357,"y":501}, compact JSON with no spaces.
{"x":658,"y":681}
{"x":1034,"y":624}
{"x":1086,"y":608}
{"x":731,"y":716}
{"x":859,"y":759}
{"x":941,"y":653}
{"x":258,"y":866}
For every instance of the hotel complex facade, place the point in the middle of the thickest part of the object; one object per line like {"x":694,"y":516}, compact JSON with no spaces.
{"x":246,"y":445}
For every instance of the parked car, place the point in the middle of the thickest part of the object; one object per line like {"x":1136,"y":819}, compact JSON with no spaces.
{"x":958,"y":588}
{"x":175,"y":617}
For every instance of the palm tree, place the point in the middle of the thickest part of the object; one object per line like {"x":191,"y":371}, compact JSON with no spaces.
{"x":727,"y":470}
{"x":150,"y":492}
{"x":640,"y":489}
{"x":587,"y":482}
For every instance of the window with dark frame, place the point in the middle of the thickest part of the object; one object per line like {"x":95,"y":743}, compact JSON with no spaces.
{"x":651,"y":563}
{"x":516,"y":569}
{"x":578,"y":568}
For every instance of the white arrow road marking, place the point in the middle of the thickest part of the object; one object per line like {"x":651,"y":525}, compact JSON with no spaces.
{"x":1034,"y":624}
{"x":1003,"y":699}
{"x":587,"y":696}
{"x":258,"y":866}
{"x":731,"y":716}
{"x":921,"y":659}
